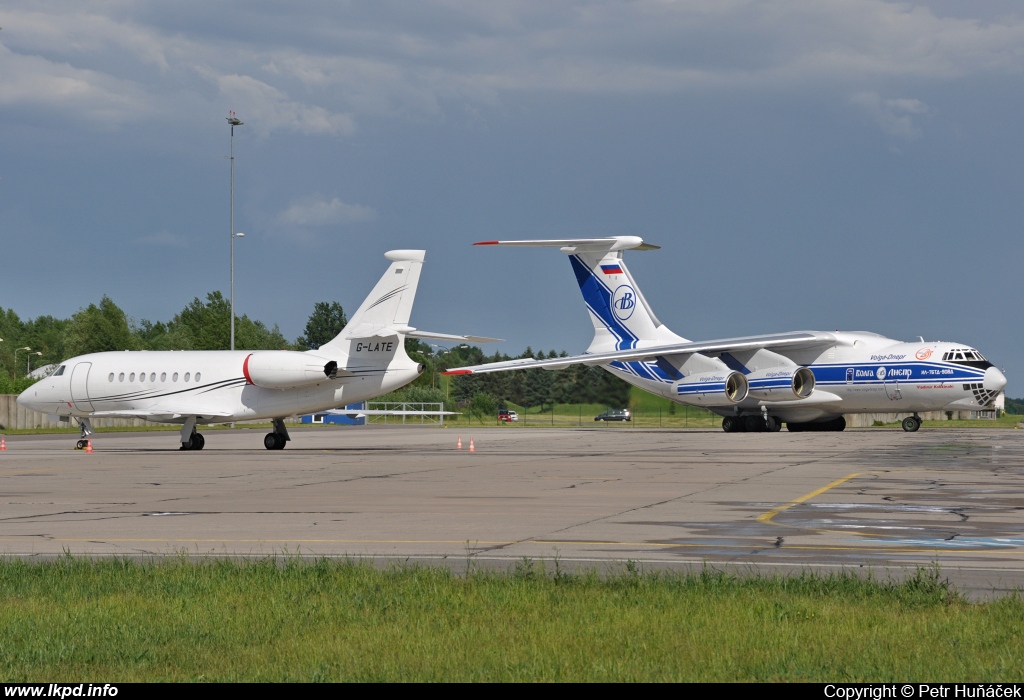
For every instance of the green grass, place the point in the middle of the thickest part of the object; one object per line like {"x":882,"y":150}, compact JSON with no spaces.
{"x":75,"y":619}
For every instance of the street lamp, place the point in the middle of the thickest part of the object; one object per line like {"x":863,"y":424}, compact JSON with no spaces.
{"x":233,"y":237}
{"x":28,"y":360}
{"x":233,"y":121}
{"x":16,"y":351}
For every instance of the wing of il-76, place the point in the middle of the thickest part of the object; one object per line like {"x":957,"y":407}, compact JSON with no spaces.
{"x":797,"y":340}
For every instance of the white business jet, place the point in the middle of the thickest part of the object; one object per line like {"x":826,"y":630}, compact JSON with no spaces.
{"x":366,"y":360}
{"x":806,"y":379}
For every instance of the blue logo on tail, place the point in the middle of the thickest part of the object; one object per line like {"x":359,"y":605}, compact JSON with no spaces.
{"x":624,"y":302}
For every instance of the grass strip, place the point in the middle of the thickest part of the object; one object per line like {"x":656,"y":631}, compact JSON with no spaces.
{"x":289,"y":620}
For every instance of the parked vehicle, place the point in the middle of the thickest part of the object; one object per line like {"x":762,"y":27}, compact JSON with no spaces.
{"x":614,"y":414}
{"x":508,"y":416}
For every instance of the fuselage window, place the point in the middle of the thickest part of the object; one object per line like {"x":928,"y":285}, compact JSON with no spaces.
{"x":174,"y":377}
{"x":131,"y":377}
{"x":152,"y":376}
{"x":187,"y":375}
{"x":198,"y":376}
{"x":110,"y":377}
{"x":163,"y":376}
{"x":120,"y":377}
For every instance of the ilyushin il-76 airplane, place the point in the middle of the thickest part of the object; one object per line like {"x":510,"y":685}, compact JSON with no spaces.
{"x":366,"y":360}
{"x":805,"y":379}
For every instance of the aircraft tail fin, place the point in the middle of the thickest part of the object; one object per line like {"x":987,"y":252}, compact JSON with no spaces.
{"x":387,"y":309}
{"x":621,"y":316}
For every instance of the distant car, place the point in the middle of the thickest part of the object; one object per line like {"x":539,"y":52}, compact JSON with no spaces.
{"x":614,"y":414}
{"x":508,"y":416}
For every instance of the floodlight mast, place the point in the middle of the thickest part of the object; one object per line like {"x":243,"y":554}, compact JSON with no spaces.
{"x":233,"y":121}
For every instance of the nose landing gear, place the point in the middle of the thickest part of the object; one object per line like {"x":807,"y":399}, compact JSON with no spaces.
{"x":85,"y":430}
{"x":912,"y":423}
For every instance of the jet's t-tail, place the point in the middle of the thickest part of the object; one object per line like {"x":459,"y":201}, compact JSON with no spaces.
{"x":622,"y":318}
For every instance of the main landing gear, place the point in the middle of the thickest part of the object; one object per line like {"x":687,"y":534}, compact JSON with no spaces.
{"x":277,"y":439}
{"x":196,"y":441}
{"x":190,"y":439}
{"x":751,"y":424}
{"x":912,"y":423}
{"x":836,"y":425}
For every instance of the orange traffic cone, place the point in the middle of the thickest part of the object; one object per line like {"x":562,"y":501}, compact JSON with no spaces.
{"x":3,"y":443}
{"x":471,"y":447}
{"x":88,"y":447}
{"x":458,"y":445}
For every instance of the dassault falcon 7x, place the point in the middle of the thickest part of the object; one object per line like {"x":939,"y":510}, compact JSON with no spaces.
{"x":366,"y":360}
{"x":806,"y":379}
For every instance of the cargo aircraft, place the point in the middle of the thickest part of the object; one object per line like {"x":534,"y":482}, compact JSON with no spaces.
{"x":805,"y":379}
{"x":366,"y":360}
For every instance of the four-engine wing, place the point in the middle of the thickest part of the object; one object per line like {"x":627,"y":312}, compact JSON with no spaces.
{"x":791,"y":341}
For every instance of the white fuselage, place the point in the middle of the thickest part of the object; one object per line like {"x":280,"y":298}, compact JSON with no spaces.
{"x":861,"y":373}
{"x":211,"y":385}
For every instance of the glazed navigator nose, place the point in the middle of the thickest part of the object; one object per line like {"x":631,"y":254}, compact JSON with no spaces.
{"x":994,"y":380}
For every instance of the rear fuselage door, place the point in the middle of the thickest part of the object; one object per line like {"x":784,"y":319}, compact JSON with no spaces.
{"x":79,"y":390}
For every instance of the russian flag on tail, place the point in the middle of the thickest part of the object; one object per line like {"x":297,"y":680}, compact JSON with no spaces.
{"x":612,"y":269}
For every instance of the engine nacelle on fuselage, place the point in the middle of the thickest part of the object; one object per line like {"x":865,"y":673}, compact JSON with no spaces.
{"x":286,"y":369}
{"x":781,"y":383}
{"x":713,"y":388}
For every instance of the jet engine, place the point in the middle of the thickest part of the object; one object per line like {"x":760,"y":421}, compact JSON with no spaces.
{"x":285,"y":369}
{"x":713,"y":388}
{"x":781,"y":383}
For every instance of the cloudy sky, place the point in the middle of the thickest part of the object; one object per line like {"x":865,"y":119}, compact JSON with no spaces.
{"x":851,"y":164}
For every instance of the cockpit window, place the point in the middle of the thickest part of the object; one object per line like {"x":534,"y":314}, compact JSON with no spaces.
{"x":59,"y":372}
{"x":967,"y":357}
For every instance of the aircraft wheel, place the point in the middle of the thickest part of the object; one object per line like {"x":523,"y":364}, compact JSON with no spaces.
{"x":730,"y":424}
{"x":839,"y":424}
{"x":753,"y":424}
{"x":187,"y":445}
{"x":911,"y":424}
{"x":198,"y":441}
{"x":270,"y":441}
{"x":772,"y":424}
{"x":81,"y":444}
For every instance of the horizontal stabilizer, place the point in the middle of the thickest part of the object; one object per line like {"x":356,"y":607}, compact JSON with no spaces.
{"x":580,"y":245}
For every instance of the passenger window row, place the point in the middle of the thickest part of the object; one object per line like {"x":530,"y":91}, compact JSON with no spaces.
{"x":152,"y":377}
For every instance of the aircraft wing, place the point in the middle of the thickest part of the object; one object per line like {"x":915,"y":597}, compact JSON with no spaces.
{"x":792,"y":341}
{"x":359,"y":413}
{"x":160,"y":411}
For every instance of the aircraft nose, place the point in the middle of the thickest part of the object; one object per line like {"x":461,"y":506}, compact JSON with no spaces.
{"x":994,"y":380}
{"x":29,"y":399}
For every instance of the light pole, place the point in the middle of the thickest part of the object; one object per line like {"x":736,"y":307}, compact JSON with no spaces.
{"x":233,"y":121}
{"x":28,"y":361}
{"x":16,"y":351}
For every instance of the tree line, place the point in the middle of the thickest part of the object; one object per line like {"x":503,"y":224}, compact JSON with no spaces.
{"x":205,"y":325}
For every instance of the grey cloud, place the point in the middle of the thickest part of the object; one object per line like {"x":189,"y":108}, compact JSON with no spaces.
{"x":895,"y":116}
{"x":318,"y":69}
{"x":317,"y":211}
